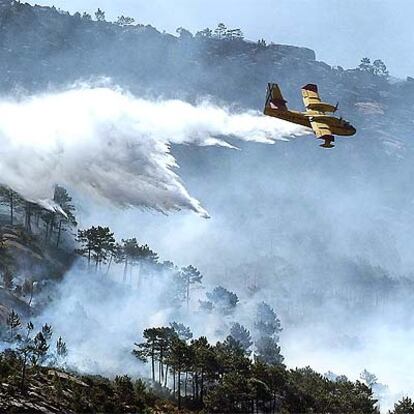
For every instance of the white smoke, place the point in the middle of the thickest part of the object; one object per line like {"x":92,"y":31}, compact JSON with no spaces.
{"x":104,"y":143}
{"x":100,"y":318}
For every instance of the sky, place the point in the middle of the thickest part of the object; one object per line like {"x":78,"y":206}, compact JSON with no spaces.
{"x":341,"y":32}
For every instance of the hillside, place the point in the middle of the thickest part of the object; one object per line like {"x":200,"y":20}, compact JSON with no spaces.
{"x":36,"y":250}
{"x":242,"y":389}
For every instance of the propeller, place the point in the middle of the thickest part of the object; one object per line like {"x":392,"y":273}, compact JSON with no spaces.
{"x":336,"y":107}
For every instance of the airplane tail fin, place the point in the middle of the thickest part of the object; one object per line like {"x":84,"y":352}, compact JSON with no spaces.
{"x":274,"y":98}
{"x":329,"y":139}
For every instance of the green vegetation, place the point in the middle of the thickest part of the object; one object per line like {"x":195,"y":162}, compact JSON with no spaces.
{"x":191,"y":373}
{"x":96,"y":244}
{"x":225,"y":378}
{"x":125,"y":21}
{"x":377,"y":67}
{"x":100,"y":15}
{"x":405,"y":406}
{"x":31,"y":350}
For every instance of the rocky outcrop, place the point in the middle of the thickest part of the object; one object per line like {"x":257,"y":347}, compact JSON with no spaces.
{"x":50,"y":391}
{"x":9,"y":301}
{"x":29,"y":260}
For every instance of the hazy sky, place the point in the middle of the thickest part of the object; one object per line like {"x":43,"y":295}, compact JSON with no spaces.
{"x":340,"y":31}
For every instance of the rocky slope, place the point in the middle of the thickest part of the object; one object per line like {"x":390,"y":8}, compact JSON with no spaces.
{"x":56,"y":391}
{"x":33,"y":264}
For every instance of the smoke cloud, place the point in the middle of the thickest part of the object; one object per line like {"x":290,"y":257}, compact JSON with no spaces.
{"x":101,"y":318}
{"x":104,"y":143}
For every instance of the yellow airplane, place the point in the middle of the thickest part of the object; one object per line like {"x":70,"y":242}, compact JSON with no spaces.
{"x":318,"y":115}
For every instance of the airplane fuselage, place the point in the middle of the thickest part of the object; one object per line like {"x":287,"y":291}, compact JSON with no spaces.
{"x":338,"y":126}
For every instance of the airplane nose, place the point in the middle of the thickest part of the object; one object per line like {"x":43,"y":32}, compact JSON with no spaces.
{"x":352,"y":130}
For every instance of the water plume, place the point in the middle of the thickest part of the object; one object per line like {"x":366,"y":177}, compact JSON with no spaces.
{"x":106,"y":144}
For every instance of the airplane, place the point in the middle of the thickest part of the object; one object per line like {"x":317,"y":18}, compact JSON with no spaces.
{"x":318,"y":115}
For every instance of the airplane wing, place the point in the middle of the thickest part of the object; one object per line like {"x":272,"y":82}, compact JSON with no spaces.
{"x":313,"y":102}
{"x":322,"y":131}
{"x":310,"y":95}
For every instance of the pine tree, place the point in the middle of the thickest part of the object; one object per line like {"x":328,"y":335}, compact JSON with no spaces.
{"x":165,"y":337}
{"x":12,"y":200}
{"x":220,"y":31}
{"x":183,"y":332}
{"x":180,"y":358}
{"x":47,"y":332}
{"x":13,"y":324}
{"x":223,"y":299}
{"x":404,"y":406}
{"x":135,"y":255}
{"x":85,"y":239}
{"x":191,"y":276}
{"x":8,"y":279}
{"x":241,"y":335}
{"x":61,"y":350}
{"x":379,"y":69}
{"x":116,"y":255}
{"x":125,"y":21}
{"x":205,"y":33}
{"x":145,"y":259}
{"x":96,"y":243}
{"x":124,"y":389}
{"x":30,"y":209}
{"x":6,"y":259}
{"x":266,"y":321}
{"x":128,"y":254}
{"x":103,"y":245}
{"x":205,"y":365}
{"x":100,"y":15}
{"x":234,"y":34}
{"x":28,"y":289}
{"x":184,"y":34}
{"x":64,"y":200}
{"x":268,"y":351}
{"x":365,"y":65}
{"x":41,"y":347}
{"x":148,"y":349}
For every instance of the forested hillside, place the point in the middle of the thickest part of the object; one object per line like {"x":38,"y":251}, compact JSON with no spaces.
{"x":226,"y":377}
